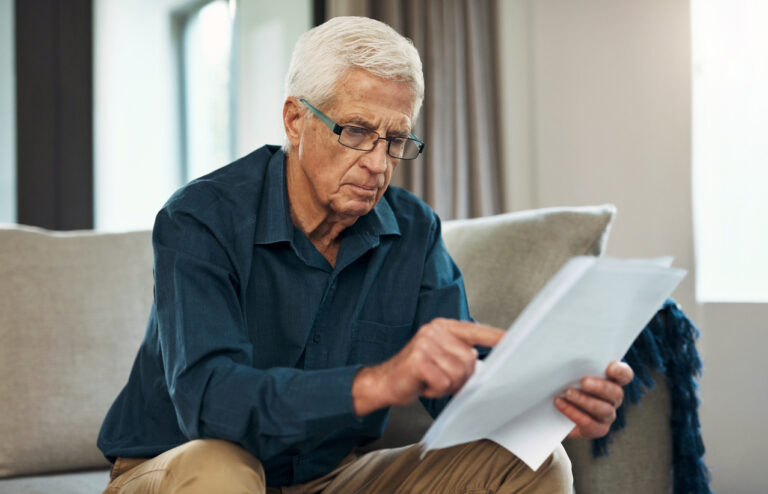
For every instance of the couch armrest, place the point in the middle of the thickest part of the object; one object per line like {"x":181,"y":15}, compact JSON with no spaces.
{"x":641,"y":453}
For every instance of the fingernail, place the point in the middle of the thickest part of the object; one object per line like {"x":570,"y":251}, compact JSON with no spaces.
{"x":570,"y":393}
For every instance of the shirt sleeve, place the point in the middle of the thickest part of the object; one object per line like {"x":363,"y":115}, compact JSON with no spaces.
{"x":208,"y":355}
{"x":442,"y":294}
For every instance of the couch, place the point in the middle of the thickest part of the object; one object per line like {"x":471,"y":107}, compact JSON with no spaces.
{"x":73,"y":308}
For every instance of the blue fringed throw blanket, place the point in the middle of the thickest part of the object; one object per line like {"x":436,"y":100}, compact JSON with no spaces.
{"x":667,"y":344}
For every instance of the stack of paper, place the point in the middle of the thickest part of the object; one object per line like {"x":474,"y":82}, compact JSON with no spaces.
{"x":586,"y":316}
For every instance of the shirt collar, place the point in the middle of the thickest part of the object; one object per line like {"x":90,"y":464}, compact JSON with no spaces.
{"x":273,"y":223}
{"x":273,"y":219}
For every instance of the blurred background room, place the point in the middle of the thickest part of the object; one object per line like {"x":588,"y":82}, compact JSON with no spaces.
{"x":657,"y":106}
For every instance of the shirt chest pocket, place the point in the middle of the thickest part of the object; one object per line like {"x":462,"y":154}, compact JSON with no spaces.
{"x":373,"y":342}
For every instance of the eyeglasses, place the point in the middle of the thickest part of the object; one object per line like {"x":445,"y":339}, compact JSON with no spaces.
{"x":362,"y":139}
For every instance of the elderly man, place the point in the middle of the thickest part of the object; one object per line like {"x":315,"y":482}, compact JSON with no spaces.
{"x":298,"y":297}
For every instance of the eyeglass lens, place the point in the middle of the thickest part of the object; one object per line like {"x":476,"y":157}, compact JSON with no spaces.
{"x":364,"y":140}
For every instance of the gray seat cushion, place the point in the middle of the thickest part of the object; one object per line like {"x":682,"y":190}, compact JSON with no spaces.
{"x":92,"y":482}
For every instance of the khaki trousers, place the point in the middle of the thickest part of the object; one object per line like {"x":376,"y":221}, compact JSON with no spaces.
{"x":211,"y":466}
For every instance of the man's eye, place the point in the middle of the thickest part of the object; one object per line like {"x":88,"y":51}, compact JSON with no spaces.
{"x":357,"y":131}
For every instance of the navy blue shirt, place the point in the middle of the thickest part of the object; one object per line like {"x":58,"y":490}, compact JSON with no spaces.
{"x":255,"y":338}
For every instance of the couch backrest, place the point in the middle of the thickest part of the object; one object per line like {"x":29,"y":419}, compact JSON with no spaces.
{"x":73,"y":308}
{"x":506,"y":259}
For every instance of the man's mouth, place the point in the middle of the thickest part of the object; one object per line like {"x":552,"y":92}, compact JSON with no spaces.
{"x":365,"y":189}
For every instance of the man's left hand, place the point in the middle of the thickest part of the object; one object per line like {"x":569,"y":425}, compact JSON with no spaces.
{"x":593,"y":407}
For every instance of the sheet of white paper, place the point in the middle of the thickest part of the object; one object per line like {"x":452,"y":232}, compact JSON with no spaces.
{"x":586,"y":316}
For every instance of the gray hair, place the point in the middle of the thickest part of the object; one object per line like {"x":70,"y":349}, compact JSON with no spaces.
{"x":324,"y":54}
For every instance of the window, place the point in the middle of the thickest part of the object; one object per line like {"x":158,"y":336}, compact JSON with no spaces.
{"x":7,"y":115}
{"x":207,"y":89}
{"x":137,"y":163}
{"x":183,"y":87}
{"x":730,"y":149}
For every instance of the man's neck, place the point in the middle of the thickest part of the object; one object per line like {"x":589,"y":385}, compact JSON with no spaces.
{"x":320,"y":224}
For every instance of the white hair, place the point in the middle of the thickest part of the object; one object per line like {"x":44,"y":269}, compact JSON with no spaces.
{"x":325,"y":54}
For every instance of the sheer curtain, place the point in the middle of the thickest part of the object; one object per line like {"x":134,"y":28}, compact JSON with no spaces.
{"x":460,"y":173}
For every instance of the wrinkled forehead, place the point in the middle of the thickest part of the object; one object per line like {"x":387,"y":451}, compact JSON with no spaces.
{"x":364,"y":97}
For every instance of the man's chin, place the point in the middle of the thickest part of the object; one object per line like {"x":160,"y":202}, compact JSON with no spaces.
{"x":356,"y":208}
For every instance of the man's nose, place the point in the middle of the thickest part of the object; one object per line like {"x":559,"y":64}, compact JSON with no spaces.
{"x":376,"y":159}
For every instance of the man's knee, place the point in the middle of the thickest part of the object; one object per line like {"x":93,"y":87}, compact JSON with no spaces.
{"x":553,"y":476}
{"x":556,"y":471}
{"x":214,"y":463}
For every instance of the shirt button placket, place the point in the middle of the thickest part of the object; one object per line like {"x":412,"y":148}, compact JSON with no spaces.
{"x":315,"y":354}
{"x":331,"y":288}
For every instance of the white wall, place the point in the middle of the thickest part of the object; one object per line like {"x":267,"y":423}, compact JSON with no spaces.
{"x":611,"y":98}
{"x":734,"y":395}
{"x":266,"y":32}
{"x":136,"y":112}
{"x":598,"y":95}
{"x":7,"y":114}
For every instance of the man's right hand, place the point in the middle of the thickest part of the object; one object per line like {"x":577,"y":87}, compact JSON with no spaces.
{"x":437,"y":362}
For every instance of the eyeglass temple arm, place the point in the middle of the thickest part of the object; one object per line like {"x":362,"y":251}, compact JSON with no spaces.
{"x":336,"y":128}
{"x":421,"y":143}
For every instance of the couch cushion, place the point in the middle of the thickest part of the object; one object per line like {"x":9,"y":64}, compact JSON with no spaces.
{"x":71,"y":483}
{"x":506,"y":259}
{"x":73,"y":308}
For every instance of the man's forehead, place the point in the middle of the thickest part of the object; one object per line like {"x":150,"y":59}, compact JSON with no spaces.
{"x":391,"y":120}
{"x":371,"y":98}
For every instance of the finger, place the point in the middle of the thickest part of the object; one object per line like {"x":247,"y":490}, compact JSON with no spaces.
{"x":604,"y":389}
{"x":438,"y":371}
{"x":452,"y":354}
{"x":450,"y":343}
{"x":587,"y":426}
{"x":456,"y":366}
{"x":472,"y":333}
{"x":599,"y":410}
{"x":620,"y":372}
{"x":436,"y":383}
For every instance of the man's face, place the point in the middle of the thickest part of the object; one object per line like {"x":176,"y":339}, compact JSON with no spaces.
{"x":343,"y":181}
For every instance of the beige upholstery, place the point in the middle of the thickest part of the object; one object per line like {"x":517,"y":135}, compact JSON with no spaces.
{"x":506,"y":259}
{"x":73,"y":307}
{"x":641,"y":455}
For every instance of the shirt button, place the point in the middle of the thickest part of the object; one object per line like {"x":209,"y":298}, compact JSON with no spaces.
{"x":316,"y":338}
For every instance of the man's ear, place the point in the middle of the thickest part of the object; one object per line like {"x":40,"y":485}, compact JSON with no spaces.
{"x":293,"y":121}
